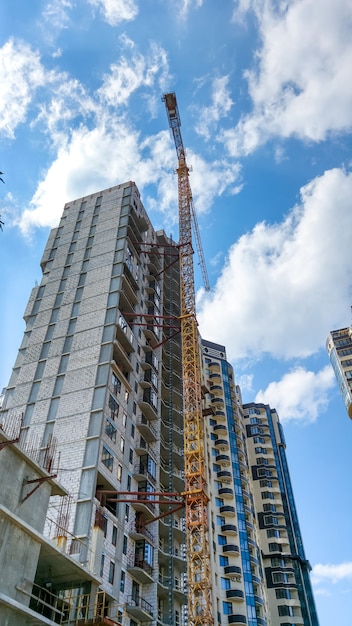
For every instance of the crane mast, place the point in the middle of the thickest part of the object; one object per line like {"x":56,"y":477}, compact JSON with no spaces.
{"x":200,"y":611}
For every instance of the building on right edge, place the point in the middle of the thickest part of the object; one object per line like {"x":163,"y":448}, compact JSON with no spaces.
{"x":339,"y":347}
{"x":260,"y":574}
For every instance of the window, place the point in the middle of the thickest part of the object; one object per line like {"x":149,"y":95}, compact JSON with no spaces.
{"x":102,"y":564}
{"x":131,"y":456}
{"x":114,"y":535}
{"x":119,"y":472}
{"x":107,"y":458}
{"x":286,"y":610}
{"x":54,"y":405}
{"x":114,"y":407}
{"x":220,"y":520}
{"x":132,"y":430}
{"x":262,"y":461}
{"x":227,"y":608}
{"x":58,"y":385}
{"x":34,"y":392}
{"x":79,"y":292}
{"x":67,"y":344}
{"x":219,"y":501}
{"x":122,"y":581}
{"x":263,"y":472}
{"x":62,"y":285}
{"x":271,"y":519}
{"x":279,"y":577}
{"x":276,"y":562}
{"x":267,"y":495}
{"x":260,"y":450}
{"x":124,"y":545}
{"x":122,"y":444}
{"x":272,"y":532}
{"x":258,"y":440}
{"x":111,"y":572}
{"x":116,"y":384}
{"x":49,"y":332}
{"x":71,"y":326}
{"x":222,"y":541}
{"x":274,"y":547}
{"x":54,"y":315}
{"x":269,"y":508}
{"x":283,"y":593}
{"x":124,"y":418}
{"x":223,"y":560}
{"x":63,"y":364}
{"x":39,"y":371}
{"x":266,"y":483}
{"x":225,"y":583}
{"x":110,"y":430}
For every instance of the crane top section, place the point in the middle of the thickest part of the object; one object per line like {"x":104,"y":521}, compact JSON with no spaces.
{"x":175,"y":125}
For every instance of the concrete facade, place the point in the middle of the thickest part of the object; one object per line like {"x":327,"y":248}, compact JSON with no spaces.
{"x":339,"y":347}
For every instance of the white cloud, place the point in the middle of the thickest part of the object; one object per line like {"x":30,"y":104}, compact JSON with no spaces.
{"x":301,"y":86}
{"x":186,"y":5}
{"x":331,"y":573}
{"x":220,"y":106}
{"x":21,"y":73}
{"x":115,"y":11}
{"x":128,"y":75}
{"x":55,"y":16}
{"x":285,"y":285}
{"x":245,"y":381}
{"x":300,"y":394}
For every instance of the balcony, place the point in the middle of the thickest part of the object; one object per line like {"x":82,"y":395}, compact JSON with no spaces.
{"x":223,"y":460}
{"x":218,"y":403}
{"x":138,"y":531}
{"x":214,"y":377}
{"x":220,"y":427}
{"x":146,"y":429}
{"x":225,"y":476}
{"x":228,"y":510}
{"x":232,"y":570}
{"x":140,"y":569}
{"x":221,"y":444}
{"x":237,"y":619}
{"x":231,"y":548}
{"x":220,"y":415}
{"x":226,"y":492}
{"x":139,"y":608}
{"x":121,"y":358}
{"x":229,"y":529}
{"x":148,"y":403}
{"x":235,"y":594}
{"x":216,"y":390}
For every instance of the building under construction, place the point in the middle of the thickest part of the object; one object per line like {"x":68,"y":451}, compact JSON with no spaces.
{"x":98,"y":382}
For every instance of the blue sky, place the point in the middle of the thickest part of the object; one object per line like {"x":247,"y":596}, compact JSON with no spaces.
{"x":265,"y":96}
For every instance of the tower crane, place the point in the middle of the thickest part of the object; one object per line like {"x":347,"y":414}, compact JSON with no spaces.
{"x":200,"y":612}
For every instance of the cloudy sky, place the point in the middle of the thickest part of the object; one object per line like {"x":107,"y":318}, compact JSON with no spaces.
{"x":265,"y":95}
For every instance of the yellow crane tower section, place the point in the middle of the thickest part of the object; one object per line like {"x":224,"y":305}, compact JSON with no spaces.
{"x":200,"y":612}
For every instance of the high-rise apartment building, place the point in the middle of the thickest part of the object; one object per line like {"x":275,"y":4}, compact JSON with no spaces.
{"x":260,"y":572}
{"x":98,"y":379}
{"x":339,"y":347}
